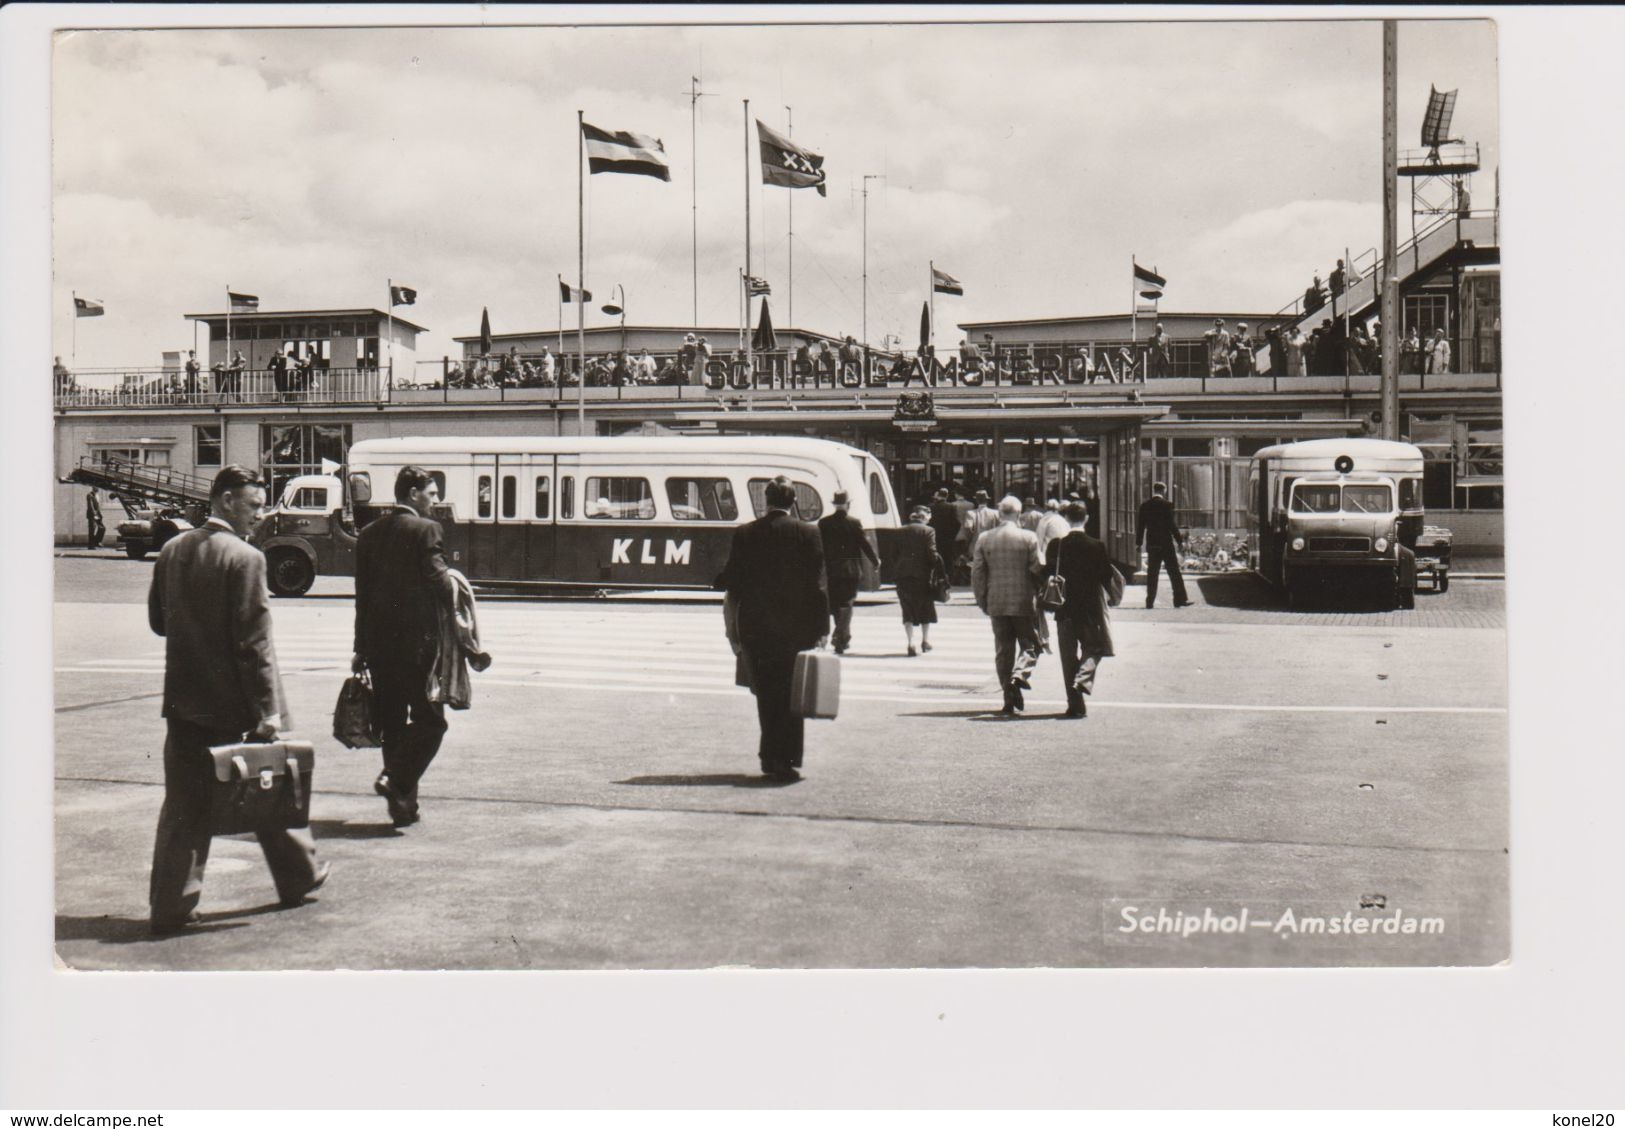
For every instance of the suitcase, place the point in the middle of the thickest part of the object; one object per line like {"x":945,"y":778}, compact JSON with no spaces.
{"x":815,"y":685}
{"x":260,"y":787}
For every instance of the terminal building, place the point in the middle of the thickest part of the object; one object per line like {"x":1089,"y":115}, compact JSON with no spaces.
{"x":1053,"y":405}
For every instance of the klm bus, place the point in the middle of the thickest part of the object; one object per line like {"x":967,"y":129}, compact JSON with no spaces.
{"x":596,"y":513}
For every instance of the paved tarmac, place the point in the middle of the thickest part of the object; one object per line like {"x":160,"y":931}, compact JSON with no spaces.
{"x":1338,"y":773}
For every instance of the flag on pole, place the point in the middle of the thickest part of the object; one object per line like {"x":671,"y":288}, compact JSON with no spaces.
{"x":88,"y":308}
{"x":568,"y":293}
{"x":944,"y":283}
{"x":624,"y":152}
{"x":787,"y":164}
{"x":756,"y":287}
{"x":1148,"y":283}
{"x":764,"y":338}
{"x":243,"y":303}
{"x":402,"y":296}
{"x":485,"y":331}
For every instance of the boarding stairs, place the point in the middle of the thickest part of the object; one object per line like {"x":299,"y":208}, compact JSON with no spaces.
{"x":1473,"y":238}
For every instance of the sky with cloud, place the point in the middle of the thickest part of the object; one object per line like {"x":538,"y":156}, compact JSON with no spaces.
{"x":1030,"y":161}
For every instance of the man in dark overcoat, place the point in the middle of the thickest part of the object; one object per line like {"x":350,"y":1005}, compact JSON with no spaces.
{"x":845,"y":548}
{"x":1082,"y":624}
{"x":775,"y":584}
{"x":401,"y":587}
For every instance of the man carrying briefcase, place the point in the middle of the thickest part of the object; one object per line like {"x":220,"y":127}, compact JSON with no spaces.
{"x":209,"y":601}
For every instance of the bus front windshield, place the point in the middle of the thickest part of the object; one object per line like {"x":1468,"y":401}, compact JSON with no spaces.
{"x":1329,"y":498}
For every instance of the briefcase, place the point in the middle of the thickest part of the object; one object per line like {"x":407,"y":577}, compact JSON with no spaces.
{"x":355,"y":719}
{"x":260,"y":787}
{"x":815,"y":685}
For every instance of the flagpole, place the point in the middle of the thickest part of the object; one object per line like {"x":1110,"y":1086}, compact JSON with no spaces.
{"x":1133,"y":303}
{"x":694,"y":187}
{"x":744,"y":326}
{"x":559,"y":294}
{"x":790,"y":239}
{"x":931,"y":291}
{"x":73,"y":350}
{"x":581,"y":273}
{"x":389,"y":284}
{"x":227,"y":357}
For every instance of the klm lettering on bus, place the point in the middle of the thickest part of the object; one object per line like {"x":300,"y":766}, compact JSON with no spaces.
{"x":621,"y":552}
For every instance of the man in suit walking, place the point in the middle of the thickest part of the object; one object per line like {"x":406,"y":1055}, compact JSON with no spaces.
{"x":209,"y":602}
{"x":1082,"y":624}
{"x":778,"y":604}
{"x":1005,"y":567}
{"x":845,"y":546}
{"x":1159,"y":533}
{"x":401,"y":589}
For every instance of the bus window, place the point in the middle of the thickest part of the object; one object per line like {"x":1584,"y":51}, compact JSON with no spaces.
{"x":623,"y":499}
{"x":510,"y":495}
{"x":567,"y":496}
{"x":1410,"y":493}
{"x":877,"y":494}
{"x":485,"y":496}
{"x":1312,"y":499}
{"x":439,"y":477}
{"x":701,"y":499}
{"x":809,"y":507}
{"x":1367,"y":499}
{"x":543,"y":495}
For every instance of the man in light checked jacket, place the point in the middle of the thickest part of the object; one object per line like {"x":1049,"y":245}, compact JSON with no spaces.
{"x":1005,"y":571}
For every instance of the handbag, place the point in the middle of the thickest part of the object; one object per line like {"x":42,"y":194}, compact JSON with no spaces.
{"x":260,"y":786}
{"x":941,"y":590}
{"x":1053,"y":596}
{"x":355,"y":718}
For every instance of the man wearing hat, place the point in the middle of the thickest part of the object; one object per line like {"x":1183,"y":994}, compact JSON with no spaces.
{"x":1241,"y":356}
{"x":979,"y":521}
{"x":845,"y":546}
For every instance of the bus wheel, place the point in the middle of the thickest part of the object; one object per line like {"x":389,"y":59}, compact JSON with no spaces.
{"x":289,"y":572}
{"x":1404,"y":598}
{"x":135,"y":550}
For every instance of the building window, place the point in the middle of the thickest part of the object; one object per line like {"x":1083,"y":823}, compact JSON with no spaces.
{"x":135,"y":456}
{"x":701,"y":499}
{"x":207,"y":445}
{"x":294,"y":449}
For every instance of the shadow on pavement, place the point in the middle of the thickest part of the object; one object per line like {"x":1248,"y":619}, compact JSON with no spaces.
{"x":1247,"y":592}
{"x":707,"y":780}
{"x":134,"y":931}
{"x":343,"y":829}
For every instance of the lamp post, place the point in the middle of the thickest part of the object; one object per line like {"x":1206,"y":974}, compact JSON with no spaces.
{"x":614,"y":308}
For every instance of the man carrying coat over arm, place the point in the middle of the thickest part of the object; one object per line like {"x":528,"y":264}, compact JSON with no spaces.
{"x":401,"y":588}
{"x":845,"y":546}
{"x":775,"y":584}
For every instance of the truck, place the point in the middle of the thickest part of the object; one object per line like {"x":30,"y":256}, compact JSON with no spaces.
{"x":307,"y":533}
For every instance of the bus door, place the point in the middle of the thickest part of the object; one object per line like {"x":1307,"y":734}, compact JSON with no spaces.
{"x":539,"y":504}
{"x":496,"y":547}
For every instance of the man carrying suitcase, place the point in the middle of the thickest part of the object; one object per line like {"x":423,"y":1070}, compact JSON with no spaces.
{"x":775,"y":583}
{"x":208,"y":599}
